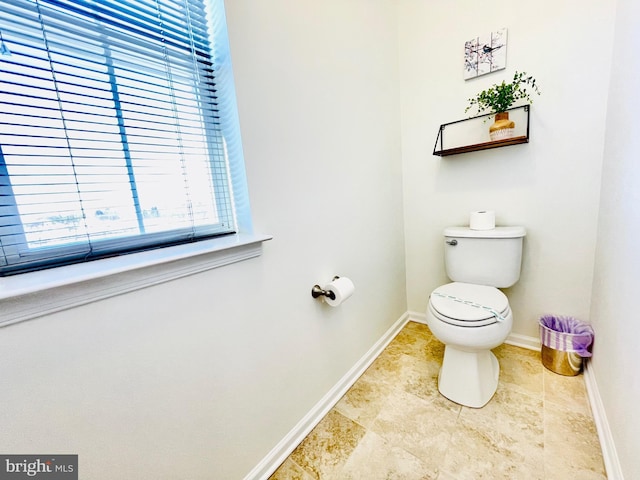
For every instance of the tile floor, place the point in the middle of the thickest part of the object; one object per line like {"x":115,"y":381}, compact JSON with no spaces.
{"x":393,"y":424}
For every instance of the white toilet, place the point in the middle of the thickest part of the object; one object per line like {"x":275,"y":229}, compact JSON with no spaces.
{"x":471,"y":316}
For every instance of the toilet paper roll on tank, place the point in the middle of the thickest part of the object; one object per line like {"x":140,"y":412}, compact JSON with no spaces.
{"x":482,"y":220}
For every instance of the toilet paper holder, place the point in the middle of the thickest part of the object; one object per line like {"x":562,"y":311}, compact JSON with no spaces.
{"x":318,"y":291}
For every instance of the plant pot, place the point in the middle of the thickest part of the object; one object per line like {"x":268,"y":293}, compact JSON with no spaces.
{"x":502,"y":128}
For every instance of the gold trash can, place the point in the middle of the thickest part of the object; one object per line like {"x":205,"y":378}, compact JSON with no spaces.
{"x":563,"y":363}
{"x":565,"y":342}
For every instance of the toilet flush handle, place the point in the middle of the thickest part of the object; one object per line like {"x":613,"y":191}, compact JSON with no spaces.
{"x":452,"y":242}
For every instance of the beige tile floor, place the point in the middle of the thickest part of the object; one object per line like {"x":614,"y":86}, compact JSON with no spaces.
{"x":393,"y":424}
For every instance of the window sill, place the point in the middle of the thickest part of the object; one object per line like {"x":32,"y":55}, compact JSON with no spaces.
{"x":31,"y":295}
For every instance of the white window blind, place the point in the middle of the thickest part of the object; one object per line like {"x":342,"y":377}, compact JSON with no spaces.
{"x":110,"y":136}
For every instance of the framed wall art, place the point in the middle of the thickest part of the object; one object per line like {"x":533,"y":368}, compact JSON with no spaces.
{"x":485,"y":54}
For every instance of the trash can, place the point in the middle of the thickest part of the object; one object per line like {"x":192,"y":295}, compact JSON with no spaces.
{"x":565,"y":342}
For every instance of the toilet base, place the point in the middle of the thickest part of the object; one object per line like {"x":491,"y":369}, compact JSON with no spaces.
{"x":469,"y":378}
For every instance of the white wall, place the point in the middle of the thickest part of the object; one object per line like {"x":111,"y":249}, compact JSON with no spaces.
{"x":616,"y":282}
{"x":201,"y":377}
{"x":551,"y":185}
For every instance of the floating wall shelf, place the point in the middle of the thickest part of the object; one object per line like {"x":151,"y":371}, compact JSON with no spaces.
{"x":470,"y":134}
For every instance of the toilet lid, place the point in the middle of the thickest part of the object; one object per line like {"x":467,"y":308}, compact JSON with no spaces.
{"x":467,"y":302}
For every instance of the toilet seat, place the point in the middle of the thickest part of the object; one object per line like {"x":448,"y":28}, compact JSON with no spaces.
{"x":468,"y":305}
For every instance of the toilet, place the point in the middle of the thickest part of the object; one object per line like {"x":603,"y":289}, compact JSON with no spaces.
{"x":470,"y":315}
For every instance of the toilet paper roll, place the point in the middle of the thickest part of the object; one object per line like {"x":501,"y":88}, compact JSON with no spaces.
{"x":342,"y":288}
{"x":482,"y":220}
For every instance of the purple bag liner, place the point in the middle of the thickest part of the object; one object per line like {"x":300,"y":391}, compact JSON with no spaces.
{"x":566,"y":334}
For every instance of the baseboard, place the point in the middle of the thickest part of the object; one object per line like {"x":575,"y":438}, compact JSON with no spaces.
{"x":283,"y":449}
{"x":417,"y":317}
{"x":524,"y":341}
{"x":609,"y":453}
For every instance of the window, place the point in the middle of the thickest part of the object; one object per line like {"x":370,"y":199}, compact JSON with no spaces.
{"x":111,"y":135}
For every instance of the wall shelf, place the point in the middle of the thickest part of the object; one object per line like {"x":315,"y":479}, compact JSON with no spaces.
{"x":470,"y":134}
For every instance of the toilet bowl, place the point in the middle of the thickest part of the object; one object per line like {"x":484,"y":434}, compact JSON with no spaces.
{"x":470,"y":320}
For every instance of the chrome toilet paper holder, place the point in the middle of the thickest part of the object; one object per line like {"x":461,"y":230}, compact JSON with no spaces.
{"x":318,"y":291}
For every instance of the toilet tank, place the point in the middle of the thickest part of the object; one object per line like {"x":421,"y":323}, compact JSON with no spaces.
{"x":484,"y":257}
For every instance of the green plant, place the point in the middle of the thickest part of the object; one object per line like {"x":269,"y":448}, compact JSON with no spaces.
{"x":500,"y":97}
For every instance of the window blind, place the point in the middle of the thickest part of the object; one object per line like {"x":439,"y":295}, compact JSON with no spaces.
{"x":110,"y":136}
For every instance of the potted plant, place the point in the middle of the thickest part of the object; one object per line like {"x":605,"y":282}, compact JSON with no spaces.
{"x":500,"y":97}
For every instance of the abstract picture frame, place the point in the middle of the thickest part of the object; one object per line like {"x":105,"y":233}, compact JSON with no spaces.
{"x":485,"y":54}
